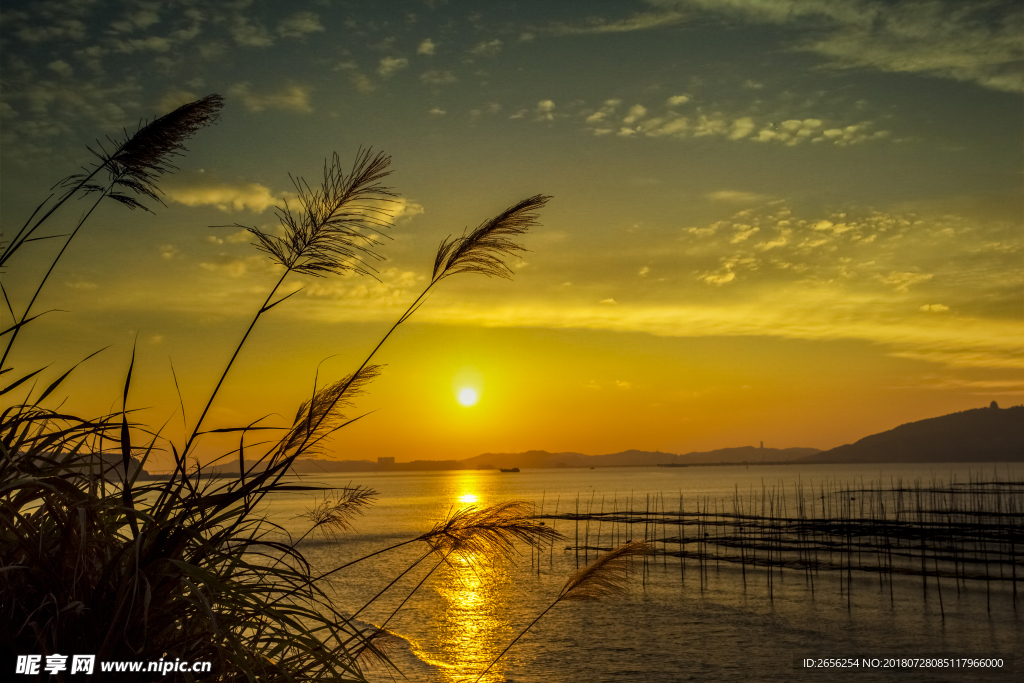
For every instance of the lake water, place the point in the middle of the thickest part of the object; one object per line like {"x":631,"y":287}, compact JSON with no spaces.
{"x":667,"y":628}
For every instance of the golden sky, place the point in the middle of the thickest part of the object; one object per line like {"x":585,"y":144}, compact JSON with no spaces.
{"x":779,"y":220}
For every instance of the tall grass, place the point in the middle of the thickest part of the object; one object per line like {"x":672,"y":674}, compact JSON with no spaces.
{"x":97,"y":561}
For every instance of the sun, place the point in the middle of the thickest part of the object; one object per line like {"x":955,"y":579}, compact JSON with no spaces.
{"x":467,"y":396}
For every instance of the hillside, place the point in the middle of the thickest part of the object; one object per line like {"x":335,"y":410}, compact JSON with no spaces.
{"x":981,"y":435}
{"x":635,"y":458}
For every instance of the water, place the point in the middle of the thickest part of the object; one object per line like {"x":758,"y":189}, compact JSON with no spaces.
{"x":668,"y":628}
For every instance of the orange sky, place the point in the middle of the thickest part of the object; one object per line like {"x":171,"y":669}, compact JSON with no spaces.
{"x":766,"y":225}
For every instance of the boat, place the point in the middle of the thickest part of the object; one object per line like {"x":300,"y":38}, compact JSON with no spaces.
{"x":514,"y":469}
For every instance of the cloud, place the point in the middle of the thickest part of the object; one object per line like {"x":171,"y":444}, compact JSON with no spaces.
{"x":737,"y":197}
{"x":794,"y":313}
{"x":636,"y":112}
{"x":644,"y":271}
{"x":68,"y":29}
{"x":641,"y":121}
{"x":491,"y":108}
{"x":427,"y":47}
{"x":238,"y":267}
{"x":141,"y":19}
{"x":676,"y":100}
{"x":434,"y":77}
{"x":250,"y":35}
{"x":300,"y":24}
{"x":719,"y":278}
{"x":934,"y":308}
{"x":404,"y":209}
{"x":487,"y":48}
{"x":546,"y":110}
{"x":224,"y":196}
{"x":904,"y":281}
{"x":391,"y":65}
{"x":83,"y":285}
{"x":638,"y":22}
{"x":391,"y":289}
{"x":175,"y":99}
{"x":61,"y":68}
{"x":741,"y":128}
{"x":608,"y":302}
{"x":293,"y":97}
{"x":169,"y":251}
{"x":742,"y":233}
{"x":151,"y":43}
{"x":437,"y":111}
{"x":972,"y":42}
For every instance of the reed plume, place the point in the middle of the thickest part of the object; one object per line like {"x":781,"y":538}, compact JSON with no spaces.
{"x":337,"y":223}
{"x":492,"y":531}
{"x":136,"y":163}
{"x":322,"y":414}
{"x":334,"y":514}
{"x":331,"y":234}
{"x":604,"y":577}
{"x":481,"y":251}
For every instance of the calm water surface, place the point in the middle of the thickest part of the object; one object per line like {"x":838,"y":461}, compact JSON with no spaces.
{"x":668,"y":628}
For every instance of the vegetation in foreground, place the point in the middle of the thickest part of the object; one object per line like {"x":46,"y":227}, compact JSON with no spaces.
{"x":95,"y":561}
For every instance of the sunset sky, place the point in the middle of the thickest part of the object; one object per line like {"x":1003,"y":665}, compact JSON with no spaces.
{"x":796,"y":221}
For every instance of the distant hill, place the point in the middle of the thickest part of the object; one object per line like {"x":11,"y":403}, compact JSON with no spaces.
{"x":543,"y":459}
{"x":982,"y":435}
{"x":635,"y":458}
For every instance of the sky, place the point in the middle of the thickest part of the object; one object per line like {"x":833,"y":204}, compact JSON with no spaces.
{"x":789,"y":221}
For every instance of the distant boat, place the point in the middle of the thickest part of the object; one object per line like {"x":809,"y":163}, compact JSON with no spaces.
{"x":514,"y":469}
{"x":672,"y":464}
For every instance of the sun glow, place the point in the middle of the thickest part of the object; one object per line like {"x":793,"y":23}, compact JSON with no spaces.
{"x":468,"y":498}
{"x":467,"y":396}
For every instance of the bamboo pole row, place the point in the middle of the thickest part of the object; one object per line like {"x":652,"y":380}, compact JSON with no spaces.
{"x":960,"y":532}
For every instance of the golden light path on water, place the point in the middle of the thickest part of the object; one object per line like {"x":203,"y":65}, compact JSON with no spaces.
{"x":471,"y":629}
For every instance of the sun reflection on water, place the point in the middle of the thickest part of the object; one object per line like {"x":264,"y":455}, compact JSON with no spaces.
{"x":470,"y":628}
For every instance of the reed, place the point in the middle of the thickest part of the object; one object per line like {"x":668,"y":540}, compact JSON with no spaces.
{"x":97,"y":560}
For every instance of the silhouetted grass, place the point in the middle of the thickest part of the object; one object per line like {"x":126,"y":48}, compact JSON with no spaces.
{"x":97,"y":561}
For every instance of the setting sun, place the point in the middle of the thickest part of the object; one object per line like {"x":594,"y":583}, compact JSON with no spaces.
{"x":467,"y":397}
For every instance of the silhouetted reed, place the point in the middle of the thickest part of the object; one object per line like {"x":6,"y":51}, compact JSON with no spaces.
{"x":134,"y":165}
{"x":97,"y":560}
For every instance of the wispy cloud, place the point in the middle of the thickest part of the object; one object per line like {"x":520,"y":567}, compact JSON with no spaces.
{"x":292,"y":97}
{"x":977,"y":43}
{"x":642,"y":21}
{"x":487,"y":48}
{"x":300,"y":24}
{"x":640,"y":120}
{"x":224,"y":196}
{"x":250,"y":34}
{"x":737,"y":197}
{"x":391,"y":65}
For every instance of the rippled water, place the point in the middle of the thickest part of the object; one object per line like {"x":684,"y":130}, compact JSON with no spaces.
{"x":669,"y":628}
